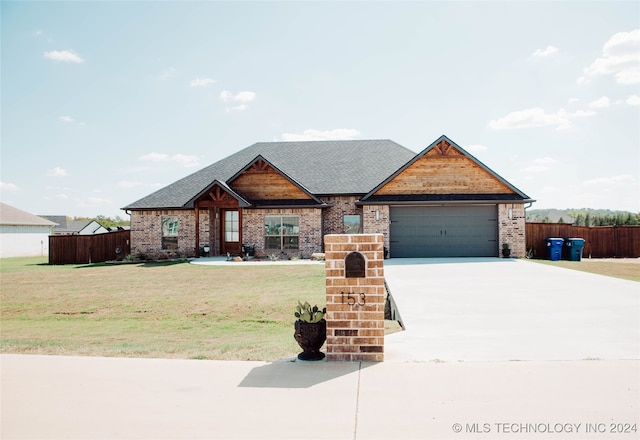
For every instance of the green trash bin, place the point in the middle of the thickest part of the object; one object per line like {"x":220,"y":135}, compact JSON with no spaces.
{"x":574,"y":248}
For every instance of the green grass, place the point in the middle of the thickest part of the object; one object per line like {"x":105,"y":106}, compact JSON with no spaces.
{"x":154,"y":310}
{"x":625,"y":269}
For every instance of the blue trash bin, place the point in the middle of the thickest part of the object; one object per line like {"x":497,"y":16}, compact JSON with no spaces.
{"x":574,"y":248}
{"x":554,"y":248}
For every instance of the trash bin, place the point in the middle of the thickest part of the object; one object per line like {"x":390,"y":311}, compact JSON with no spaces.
{"x":574,"y":248}
{"x":554,"y":248}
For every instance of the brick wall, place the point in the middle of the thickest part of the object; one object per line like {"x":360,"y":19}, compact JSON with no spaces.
{"x":512,"y":230}
{"x":355,"y":306}
{"x":207,"y":226}
{"x":377,"y":223}
{"x":333,"y":217}
{"x":146,"y":234}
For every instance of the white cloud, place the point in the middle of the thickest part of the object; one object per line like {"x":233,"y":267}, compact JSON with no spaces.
{"x":535,"y":169}
{"x":544,"y":161}
{"x":61,"y":196}
{"x":244,"y":96}
{"x":633,"y":100}
{"x":202,"y":82}
{"x":64,"y":55}
{"x":475,"y":148}
{"x":317,"y":135}
{"x":128,"y":184}
{"x":602,"y":102}
{"x":620,"y":58}
{"x":239,"y":108}
{"x":4,"y":186}
{"x":66,"y":119}
{"x":155,"y":157}
{"x":168,"y":73}
{"x":550,"y":50}
{"x":57,"y":172}
{"x":96,"y":201}
{"x":622,"y":179}
{"x":183,"y":159}
{"x":537,"y":117}
{"x":240,"y":97}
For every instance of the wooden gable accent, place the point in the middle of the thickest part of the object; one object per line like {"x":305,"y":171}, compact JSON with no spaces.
{"x":444,"y":169}
{"x":216,"y":197}
{"x":261,"y":182}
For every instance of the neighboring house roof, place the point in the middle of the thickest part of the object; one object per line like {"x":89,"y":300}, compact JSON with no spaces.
{"x":16,"y":217}
{"x":320,"y":167}
{"x":60,"y":220}
{"x":65,"y":226}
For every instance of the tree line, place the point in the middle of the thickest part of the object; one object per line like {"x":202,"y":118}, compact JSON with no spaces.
{"x":584,"y":217}
{"x":107,"y":222}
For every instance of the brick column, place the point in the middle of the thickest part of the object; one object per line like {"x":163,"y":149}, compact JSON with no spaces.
{"x":355,"y":297}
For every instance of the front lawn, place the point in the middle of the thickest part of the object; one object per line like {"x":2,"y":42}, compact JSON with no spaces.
{"x":168,"y":310}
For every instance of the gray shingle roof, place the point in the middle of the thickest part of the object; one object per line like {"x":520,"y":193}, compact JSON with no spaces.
{"x":322,"y":167}
{"x":14,"y":216}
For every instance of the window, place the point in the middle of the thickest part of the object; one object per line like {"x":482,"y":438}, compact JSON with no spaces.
{"x":281,"y":232}
{"x":231,"y":226}
{"x":351,"y":224}
{"x":170,"y":233}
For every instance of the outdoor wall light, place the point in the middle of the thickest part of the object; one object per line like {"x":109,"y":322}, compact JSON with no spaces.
{"x":510,"y":213}
{"x":377,"y":214}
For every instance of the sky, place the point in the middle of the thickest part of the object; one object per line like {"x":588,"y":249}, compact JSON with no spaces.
{"x":103,"y":103}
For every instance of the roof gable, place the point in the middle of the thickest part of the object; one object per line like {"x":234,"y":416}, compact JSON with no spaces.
{"x":444,"y":168}
{"x":260,"y":180}
{"x":218,"y":194}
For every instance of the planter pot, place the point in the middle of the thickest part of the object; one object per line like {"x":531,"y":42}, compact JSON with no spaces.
{"x":310,"y":337}
{"x":506,"y":253}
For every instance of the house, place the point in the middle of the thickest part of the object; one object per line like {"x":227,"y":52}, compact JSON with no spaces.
{"x":23,"y":234}
{"x":75,"y":227}
{"x":283,"y":197}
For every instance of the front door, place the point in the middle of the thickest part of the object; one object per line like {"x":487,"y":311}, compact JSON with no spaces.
{"x":230,"y":232}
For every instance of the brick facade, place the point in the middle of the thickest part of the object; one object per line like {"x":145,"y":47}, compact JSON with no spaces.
{"x":511,"y":229}
{"x":146,"y":228}
{"x":146,"y":234}
{"x":377,"y":220}
{"x":339,"y":206}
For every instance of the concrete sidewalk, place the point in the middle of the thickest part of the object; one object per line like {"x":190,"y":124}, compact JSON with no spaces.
{"x":52,"y":397}
{"x":452,"y":374}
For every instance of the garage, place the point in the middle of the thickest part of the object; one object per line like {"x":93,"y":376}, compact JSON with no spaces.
{"x":444,"y":231}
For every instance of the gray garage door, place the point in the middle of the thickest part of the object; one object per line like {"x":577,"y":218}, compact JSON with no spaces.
{"x":449,"y":231}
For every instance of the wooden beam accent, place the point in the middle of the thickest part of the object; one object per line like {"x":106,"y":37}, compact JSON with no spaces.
{"x":444,"y":172}
{"x":267,"y":185}
{"x":197,"y":244}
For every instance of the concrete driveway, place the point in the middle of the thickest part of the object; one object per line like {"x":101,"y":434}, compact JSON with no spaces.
{"x":492,"y":309}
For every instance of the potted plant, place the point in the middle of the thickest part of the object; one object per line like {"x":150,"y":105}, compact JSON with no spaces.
{"x":506,"y":250}
{"x":310,"y":331}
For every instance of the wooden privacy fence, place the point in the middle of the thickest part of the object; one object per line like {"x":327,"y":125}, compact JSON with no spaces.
{"x":82,"y":249}
{"x":599,"y":241}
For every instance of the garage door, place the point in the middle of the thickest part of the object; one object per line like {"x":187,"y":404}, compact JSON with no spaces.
{"x":444,"y":231}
